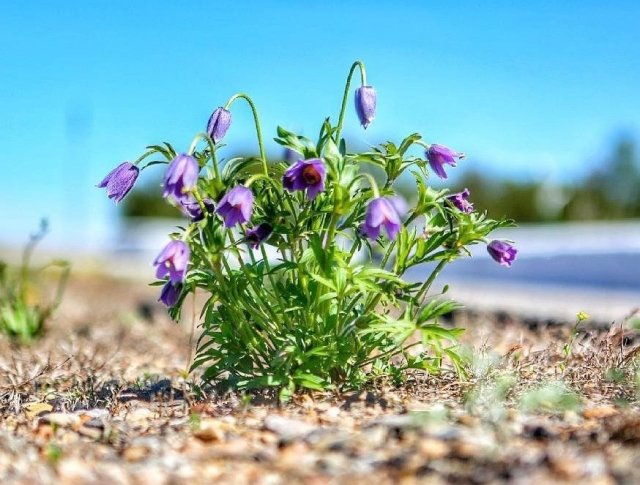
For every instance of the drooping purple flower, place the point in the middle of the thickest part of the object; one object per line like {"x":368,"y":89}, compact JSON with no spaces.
{"x":439,"y":156}
{"x":365,"y":105}
{"x":502,"y":252}
{"x":381,"y":213}
{"x":258,"y":234}
{"x":306,"y":175}
{"x":461,"y":201}
{"x":218,"y":124}
{"x":120,"y":181}
{"x":173,"y":261}
{"x":191,"y":208}
{"x":170,"y":293}
{"x":236,"y":206}
{"x":181,"y":177}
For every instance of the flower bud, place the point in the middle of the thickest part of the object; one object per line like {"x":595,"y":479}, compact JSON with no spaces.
{"x":120,"y":181}
{"x":218,"y":124}
{"x":365,"y":105}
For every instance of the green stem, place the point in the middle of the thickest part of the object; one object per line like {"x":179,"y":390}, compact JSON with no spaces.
{"x":198,"y":197}
{"x":390,"y":353}
{"x":256,"y":120}
{"x":363,"y":79}
{"x":427,"y":284}
{"x":372,"y":183}
{"x":146,"y":154}
{"x":214,"y":157}
{"x":331,"y":231}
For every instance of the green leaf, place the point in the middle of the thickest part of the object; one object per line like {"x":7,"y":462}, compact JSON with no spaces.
{"x":407,"y":142}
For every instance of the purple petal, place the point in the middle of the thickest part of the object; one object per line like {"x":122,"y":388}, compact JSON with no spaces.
{"x":370,"y":231}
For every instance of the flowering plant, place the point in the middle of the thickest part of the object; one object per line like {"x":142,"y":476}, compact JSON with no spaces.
{"x":303,"y":263}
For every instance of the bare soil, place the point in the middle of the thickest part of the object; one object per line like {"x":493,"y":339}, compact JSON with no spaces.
{"x":103,"y":398}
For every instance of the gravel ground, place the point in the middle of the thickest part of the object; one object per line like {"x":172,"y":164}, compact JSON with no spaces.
{"x":103,"y":398}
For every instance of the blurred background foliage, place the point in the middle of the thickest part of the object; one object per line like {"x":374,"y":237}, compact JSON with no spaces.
{"x":609,"y":191}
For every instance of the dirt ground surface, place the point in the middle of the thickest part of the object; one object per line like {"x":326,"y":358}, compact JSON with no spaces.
{"x":103,"y":398}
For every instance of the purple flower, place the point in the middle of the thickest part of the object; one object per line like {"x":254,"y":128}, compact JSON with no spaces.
{"x":181,"y":177}
{"x":381,"y":212}
{"x":191,"y":208}
{"x":173,"y":261}
{"x":236,"y":206}
{"x":218,"y":124}
{"x":366,"y":105}
{"x":120,"y":181}
{"x":439,"y":156}
{"x":170,"y":293}
{"x":502,"y":252}
{"x":258,"y":234}
{"x":306,"y":175}
{"x":461,"y":202}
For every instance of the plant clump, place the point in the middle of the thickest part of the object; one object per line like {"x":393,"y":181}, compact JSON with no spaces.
{"x":303,"y":262}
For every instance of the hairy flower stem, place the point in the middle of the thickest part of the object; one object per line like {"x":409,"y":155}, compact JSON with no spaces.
{"x":214,"y":158}
{"x":345,"y":96}
{"x":146,"y":154}
{"x":256,"y":120}
{"x":198,"y":197}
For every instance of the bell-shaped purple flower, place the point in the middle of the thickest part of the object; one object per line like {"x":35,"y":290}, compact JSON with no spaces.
{"x":439,"y":156}
{"x":236,"y":206}
{"x":218,"y":124}
{"x":365,"y":105}
{"x":258,"y":234}
{"x":120,"y":181}
{"x":181,"y":177}
{"x":173,"y":261}
{"x":461,"y":201}
{"x":306,"y":175}
{"x":502,"y":252}
{"x":381,"y":212}
{"x":191,"y":208}
{"x":170,"y":293}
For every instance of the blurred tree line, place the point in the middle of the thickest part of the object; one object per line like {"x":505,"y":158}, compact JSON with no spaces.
{"x":609,"y":192}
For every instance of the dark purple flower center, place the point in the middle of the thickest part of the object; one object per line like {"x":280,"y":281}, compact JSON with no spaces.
{"x":310,"y":175}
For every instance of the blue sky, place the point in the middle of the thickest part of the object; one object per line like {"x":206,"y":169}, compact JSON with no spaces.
{"x":531,"y":91}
